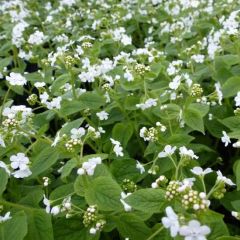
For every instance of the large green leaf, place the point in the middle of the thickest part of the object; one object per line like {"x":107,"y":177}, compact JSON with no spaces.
{"x":132,"y":227}
{"x":147,"y":200}
{"x":15,"y":228}
{"x":105,"y":193}
{"x":122,"y":132}
{"x":231,"y":87}
{"x":43,"y":161}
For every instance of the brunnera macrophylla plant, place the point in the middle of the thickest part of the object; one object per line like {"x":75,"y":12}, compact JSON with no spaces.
{"x":120,"y":119}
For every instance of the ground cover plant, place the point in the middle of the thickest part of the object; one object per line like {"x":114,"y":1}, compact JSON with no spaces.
{"x":120,"y":119}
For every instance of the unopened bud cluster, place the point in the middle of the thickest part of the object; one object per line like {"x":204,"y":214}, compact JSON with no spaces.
{"x":92,"y":219}
{"x":129,"y":186}
{"x":220,"y":191}
{"x":32,"y":99}
{"x":237,"y":111}
{"x":69,"y":61}
{"x":195,"y":200}
{"x":87,"y":45}
{"x":196,"y":90}
{"x":10,"y":123}
{"x":172,"y":190}
{"x":141,"y":68}
{"x":70,"y":144}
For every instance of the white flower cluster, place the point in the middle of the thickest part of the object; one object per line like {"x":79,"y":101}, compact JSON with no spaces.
{"x":19,"y":165}
{"x":118,"y":150}
{"x":89,"y":166}
{"x":16,"y":79}
{"x":193,"y":230}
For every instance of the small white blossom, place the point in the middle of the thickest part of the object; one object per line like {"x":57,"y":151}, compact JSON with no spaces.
{"x":168,"y":151}
{"x":22,"y":173}
{"x":148,"y":104}
{"x":102,"y":115}
{"x":171,"y":221}
{"x":140,"y":167}
{"x":200,"y":172}
{"x":224,"y":179}
{"x":46,"y":202}
{"x":186,"y":183}
{"x":237,"y":100}
{"x":194,"y":231}
{"x":126,"y":206}
{"x":36,"y":38}
{"x":117,"y":147}
{"x":183,"y":151}
{"x":19,"y":161}
{"x":89,"y":166}
{"x":77,"y":133}
{"x":5,"y":217}
{"x":16,"y":79}
{"x":225,"y":138}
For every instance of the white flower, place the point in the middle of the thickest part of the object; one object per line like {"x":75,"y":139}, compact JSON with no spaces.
{"x":19,"y":161}
{"x":55,"y":103}
{"x":36,"y":38}
{"x":198,"y":58}
{"x":186,"y":183}
{"x":128,"y":76}
{"x":194,"y":231}
{"x":46,"y":202}
{"x":39,"y":84}
{"x":224,"y":179}
{"x":117,"y":147}
{"x":126,"y":206}
{"x":148,"y":103}
{"x":168,"y":151}
{"x":93,"y":231}
{"x":183,"y":151}
{"x":219,"y":92}
{"x":2,"y":143}
{"x":175,"y":83}
{"x":5,"y":167}
{"x":5,"y":217}
{"x":55,"y":210}
{"x":235,"y":145}
{"x":102,"y":115}
{"x":200,"y":172}
{"x":89,"y":166}
{"x":225,"y":138}
{"x":22,"y":173}
{"x":237,"y":100}
{"x":171,"y":221}
{"x":140,"y":167}
{"x":77,"y":133}
{"x":16,"y":79}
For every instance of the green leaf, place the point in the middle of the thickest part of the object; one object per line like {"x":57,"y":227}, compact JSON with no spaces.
{"x":39,"y":225}
{"x":70,"y":125}
{"x":194,"y":119}
{"x":105,"y":193}
{"x":231,"y":122}
{"x":91,"y":100}
{"x":236,"y":169}
{"x":3,"y":180}
{"x":132,"y":227}
{"x":231,"y":87}
{"x":125,"y":169}
{"x":43,"y":161}
{"x":122,"y":132}
{"x":67,"y":168}
{"x":147,"y":200}
{"x":15,"y":228}
{"x":215,"y":221}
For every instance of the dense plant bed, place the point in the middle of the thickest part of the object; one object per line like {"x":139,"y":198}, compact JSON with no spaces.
{"x":120,"y":119}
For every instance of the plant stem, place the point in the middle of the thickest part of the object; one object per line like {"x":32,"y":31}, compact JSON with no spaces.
{"x":155,"y":234}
